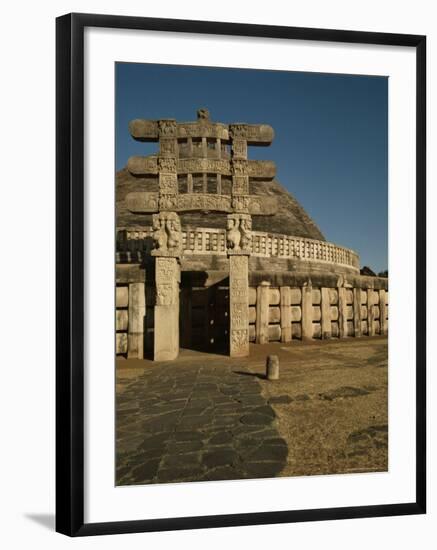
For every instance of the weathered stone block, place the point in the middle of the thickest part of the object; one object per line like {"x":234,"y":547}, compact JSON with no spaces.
{"x":296,"y":313}
{"x":333,"y":296}
{"x":120,"y":343}
{"x":350,"y":328}
{"x":274,"y":297}
{"x":274,"y":332}
{"x":317,"y":330}
{"x":252,"y":314}
{"x":121,"y":296}
{"x":334,"y":313}
{"x":252,"y":296}
{"x":316,"y":296}
{"x":317,"y":313}
{"x":349,"y":296}
{"x":252,"y":333}
{"x":296,"y":330}
{"x":364,"y":312}
{"x":335,"y":332}
{"x":295,"y":296}
{"x":129,"y":273}
{"x":121,"y":319}
{"x":274,"y":314}
{"x":364,"y":327}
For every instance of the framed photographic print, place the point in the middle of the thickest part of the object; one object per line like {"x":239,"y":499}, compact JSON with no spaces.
{"x":240,"y":274}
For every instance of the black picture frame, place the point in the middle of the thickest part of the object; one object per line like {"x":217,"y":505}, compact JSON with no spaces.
{"x":70,"y":273}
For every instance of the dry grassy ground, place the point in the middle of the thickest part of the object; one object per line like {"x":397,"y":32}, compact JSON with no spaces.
{"x":331,"y":405}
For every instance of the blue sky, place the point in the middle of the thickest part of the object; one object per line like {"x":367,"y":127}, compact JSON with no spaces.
{"x":330,"y":144}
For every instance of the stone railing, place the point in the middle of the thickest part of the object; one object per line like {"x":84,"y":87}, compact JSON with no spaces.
{"x":201,"y":241}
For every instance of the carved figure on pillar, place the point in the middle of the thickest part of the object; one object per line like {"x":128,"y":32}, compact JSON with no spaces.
{"x":233,"y":235}
{"x":167,"y":234}
{"x":239,"y":233}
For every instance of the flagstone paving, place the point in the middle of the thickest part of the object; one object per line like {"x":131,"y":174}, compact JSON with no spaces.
{"x":203,"y":422}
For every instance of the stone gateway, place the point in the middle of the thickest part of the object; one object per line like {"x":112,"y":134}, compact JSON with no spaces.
{"x":213,"y":253}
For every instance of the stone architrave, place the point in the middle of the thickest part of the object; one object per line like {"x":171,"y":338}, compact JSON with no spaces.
{"x":325,"y":307}
{"x":357,"y":312}
{"x":144,"y":202}
{"x":286,"y":320}
{"x":342,"y":312}
{"x":137,"y":312}
{"x":239,"y":304}
{"x":166,"y":333}
{"x":262,"y":313}
{"x":307,"y":312}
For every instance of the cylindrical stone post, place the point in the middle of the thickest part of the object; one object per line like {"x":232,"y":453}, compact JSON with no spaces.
{"x":272,"y":367}
{"x":137,"y":312}
{"x":262,"y":313}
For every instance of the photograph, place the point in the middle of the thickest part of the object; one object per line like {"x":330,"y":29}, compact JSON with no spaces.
{"x":251,"y":274}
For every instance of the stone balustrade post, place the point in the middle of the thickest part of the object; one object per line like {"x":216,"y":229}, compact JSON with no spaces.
{"x":262,"y":313}
{"x":136,"y":316}
{"x":307,"y":312}
{"x":286,"y":334}
{"x":325,"y":308}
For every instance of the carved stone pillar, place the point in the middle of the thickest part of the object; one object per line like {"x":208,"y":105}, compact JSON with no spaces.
{"x":167,"y":279}
{"x":168,"y":245}
{"x":239,"y":244}
{"x":239,"y":304}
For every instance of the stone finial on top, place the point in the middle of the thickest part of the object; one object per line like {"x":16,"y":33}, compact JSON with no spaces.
{"x":203,"y":114}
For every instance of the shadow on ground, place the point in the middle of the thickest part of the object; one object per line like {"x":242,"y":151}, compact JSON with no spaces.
{"x":196,"y":423}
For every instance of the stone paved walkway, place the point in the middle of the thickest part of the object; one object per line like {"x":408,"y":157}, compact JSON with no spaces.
{"x":179,"y":422}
